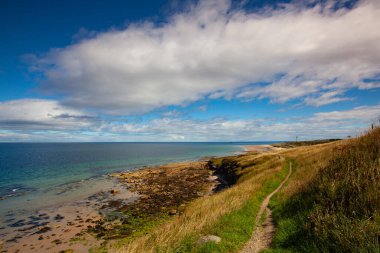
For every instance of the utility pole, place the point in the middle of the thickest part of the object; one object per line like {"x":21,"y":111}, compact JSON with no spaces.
{"x":296,"y":138}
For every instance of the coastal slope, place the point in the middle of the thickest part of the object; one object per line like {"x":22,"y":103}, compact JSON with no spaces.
{"x":329,"y":204}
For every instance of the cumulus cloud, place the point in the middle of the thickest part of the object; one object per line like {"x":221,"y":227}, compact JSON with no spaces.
{"x":41,"y":114}
{"x":213,"y":51}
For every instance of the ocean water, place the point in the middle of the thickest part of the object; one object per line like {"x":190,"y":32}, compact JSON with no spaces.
{"x":35,"y":175}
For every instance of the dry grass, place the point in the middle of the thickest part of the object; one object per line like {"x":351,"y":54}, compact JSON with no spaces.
{"x":204,"y":212}
{"x":332,"y":203}
{"x":309,"y":160}
{"x":292,"y":208}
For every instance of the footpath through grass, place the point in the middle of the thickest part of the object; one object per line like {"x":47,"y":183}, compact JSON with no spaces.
{"x":339,"y":210}
{"x":235,"y":228}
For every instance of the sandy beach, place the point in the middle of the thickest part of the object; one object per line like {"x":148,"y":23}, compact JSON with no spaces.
{"x":261,"y":148}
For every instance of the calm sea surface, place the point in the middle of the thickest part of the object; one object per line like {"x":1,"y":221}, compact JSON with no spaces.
{"x":33,"y":175}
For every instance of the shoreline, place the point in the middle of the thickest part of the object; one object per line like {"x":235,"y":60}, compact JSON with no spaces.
{"x":265,"y":148}
{"x":150,"y":193}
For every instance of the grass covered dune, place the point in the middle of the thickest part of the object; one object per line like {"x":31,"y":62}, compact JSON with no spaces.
{"x":330,"y":203}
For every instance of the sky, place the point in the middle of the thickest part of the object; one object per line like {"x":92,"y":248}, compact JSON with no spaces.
{"x":208,"y":70}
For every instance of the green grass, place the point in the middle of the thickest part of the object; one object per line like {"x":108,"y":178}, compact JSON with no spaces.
{"x":137,"y":226}
{"x":339,"y":211}
{"x":235,"y":228}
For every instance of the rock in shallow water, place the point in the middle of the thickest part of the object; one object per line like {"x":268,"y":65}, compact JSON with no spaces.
{"x":209,"y":238}
{"x":43,"y":230}
{"x":18,"y":223}
{"x":59,"y":217}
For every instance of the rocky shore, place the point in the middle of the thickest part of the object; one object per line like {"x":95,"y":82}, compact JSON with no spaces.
{"x":162,"y":192}
{"x":166,"y":188}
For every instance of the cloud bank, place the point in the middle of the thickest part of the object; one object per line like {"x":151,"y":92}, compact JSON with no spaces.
{"x":212,"y":50}
{"x":45,"y":120}
{"x":320,"y":125}
{"x":41,"y":114}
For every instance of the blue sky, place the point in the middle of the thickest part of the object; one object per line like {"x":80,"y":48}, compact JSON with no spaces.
{"x":188,"y":71}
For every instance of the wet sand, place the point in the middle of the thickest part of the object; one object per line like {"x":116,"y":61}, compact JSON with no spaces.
{"x":53,"y":231}
{"x":59,"y":228}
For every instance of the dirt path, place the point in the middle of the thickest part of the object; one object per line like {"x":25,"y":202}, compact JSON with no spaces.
{"x":263,"y":234}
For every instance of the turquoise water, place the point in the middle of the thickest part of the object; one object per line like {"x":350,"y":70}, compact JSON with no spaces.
{"x":33,"y":175}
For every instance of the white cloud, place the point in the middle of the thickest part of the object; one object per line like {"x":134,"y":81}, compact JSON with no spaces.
{"x":42,"y":120}
{"x":326,"y":98}
{"x":335,"y":124}
{"x":361,"y":114}
{"x":214,"y":51}
{"x":40,"y":114}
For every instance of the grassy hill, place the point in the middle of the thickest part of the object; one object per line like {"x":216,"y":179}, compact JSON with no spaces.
{"x":331,"y":202}
{"x":292,"y":144}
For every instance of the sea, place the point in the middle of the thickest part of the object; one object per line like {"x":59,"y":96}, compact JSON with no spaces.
{"x":34,"y":176}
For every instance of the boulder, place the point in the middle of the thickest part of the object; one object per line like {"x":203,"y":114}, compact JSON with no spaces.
{"x":209,"y":238}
